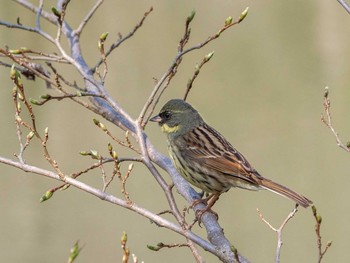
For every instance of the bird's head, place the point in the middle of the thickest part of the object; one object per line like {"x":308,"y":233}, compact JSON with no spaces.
{"x":177,"y":117}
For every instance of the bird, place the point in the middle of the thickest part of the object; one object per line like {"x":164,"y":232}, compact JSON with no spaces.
{"x":207,"y":160}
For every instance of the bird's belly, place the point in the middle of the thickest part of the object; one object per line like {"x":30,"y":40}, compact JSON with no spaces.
{"x":200,"y":177}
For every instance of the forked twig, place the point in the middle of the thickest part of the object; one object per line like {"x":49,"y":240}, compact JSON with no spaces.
{"x":278,"y":230}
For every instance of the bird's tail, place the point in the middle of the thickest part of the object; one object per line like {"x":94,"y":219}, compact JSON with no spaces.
{"x":284,"y":191}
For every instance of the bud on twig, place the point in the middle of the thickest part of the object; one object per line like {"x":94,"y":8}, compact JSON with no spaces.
{"x":33,"y":101}
{"x":110,"y":147}
{"x":228,"y":21}
{"x":243,"y":15}
{"x":103,"y":36}
{"x":30,"y":135}
{"x":56,"y":12}
{"x":190,"y":16}
{"x":209,"y":56}
{"x":124,"y":238}
{"x":46,"y":196}
{"x":74,"y":252}
{"x":114,"y":155}
{"x":15,"y":51}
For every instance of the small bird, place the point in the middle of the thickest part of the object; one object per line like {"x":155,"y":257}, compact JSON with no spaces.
{"x":207,"y":160}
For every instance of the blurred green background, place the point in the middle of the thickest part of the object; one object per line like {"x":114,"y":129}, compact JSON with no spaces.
{"x":262,"y":90}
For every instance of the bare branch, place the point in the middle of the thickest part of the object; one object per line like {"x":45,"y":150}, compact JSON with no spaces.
{"x":196,"y":72}
{"x":88,"y":17}
{"x":328,"y":120}
{"x":278,"y":230}
{"x":321,"y":252}
{"x":48,"y":16}
{"x":122,"y":39}
{"x":112,"y":199}
{"x":345,"y":5}
{"x":38,"y":14}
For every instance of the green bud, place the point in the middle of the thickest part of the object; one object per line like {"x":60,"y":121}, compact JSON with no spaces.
{"x":13,"y":71}
{"x":96,"y":121}
{"x":318,"y":218}
{"x":94,"y":154}
{"x":14,"y":90}
{"x":209,"y":56}
{"x":348,"y":144}
{"x":228,"y":21}
{"x":99,"y":45}
{"x":19,"y":107}
{"x":114,"y":155}
{"x":110,"y":147}
{"x":233,"y":249}
{"x":152,"y":248}
{"x":131,"y":166}
{"x":243,"y":15}
{"x":45,"y":97}
{"x":103,"y":36}
{"x":15,"y":51}
{"x":74,"y":252}
{"x":24,"y":49}
{"x":33,"y":101}
{"x":102,"y":126}
{"x":79,"y":93}
{"x":314,"y":210}
{"x":20,"y":96}
{"x":124,"y":239}
{"x":84,"y":153}
{"x":46,"y":196}
{"x":46,"y":131}
{"x":191,"y":16}
{"x":196,"y":69}
{"x":56,"y":12}
{"x":30,"y":135}
{"x":64,"y":187}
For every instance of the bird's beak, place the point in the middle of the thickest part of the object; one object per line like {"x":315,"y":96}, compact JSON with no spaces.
{"x":156,"y":119}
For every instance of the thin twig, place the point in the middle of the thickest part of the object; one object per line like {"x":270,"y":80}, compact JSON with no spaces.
{"x":328,"y":120}
{"x":345,"y":5}
{"x":88,"y":17}
{"x":278,"y":230}
{"x":321,"y":252}
{"x":196,"y":72}
{"x":121,"y":40}
{"x":38,"y":14}
{"x":177,"y":60}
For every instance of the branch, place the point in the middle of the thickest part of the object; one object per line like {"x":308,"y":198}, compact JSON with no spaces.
{"x":328,"y":120}
{"x":278,"y":230}
{"x":88,"y":17}
{"x":104,"y":105}
{"x":321,"y":252}
{"x":344,"y":4}
{"x":161,"y":222}
{"x":122,"y":39}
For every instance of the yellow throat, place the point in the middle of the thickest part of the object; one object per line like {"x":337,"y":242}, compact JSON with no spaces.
{"x":167,"y":129}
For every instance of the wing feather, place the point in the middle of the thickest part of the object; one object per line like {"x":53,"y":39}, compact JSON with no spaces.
{"x":212,"y":151}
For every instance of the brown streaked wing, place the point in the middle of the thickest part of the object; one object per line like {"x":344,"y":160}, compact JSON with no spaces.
{"x":212,"y":151}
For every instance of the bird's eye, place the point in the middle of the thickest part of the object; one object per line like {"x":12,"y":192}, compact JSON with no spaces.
{"x":166,"y":115}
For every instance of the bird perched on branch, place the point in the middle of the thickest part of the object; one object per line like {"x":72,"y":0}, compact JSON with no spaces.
{"x":207,"y":160}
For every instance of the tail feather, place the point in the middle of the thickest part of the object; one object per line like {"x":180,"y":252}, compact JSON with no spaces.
{"x":285,"y":192}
